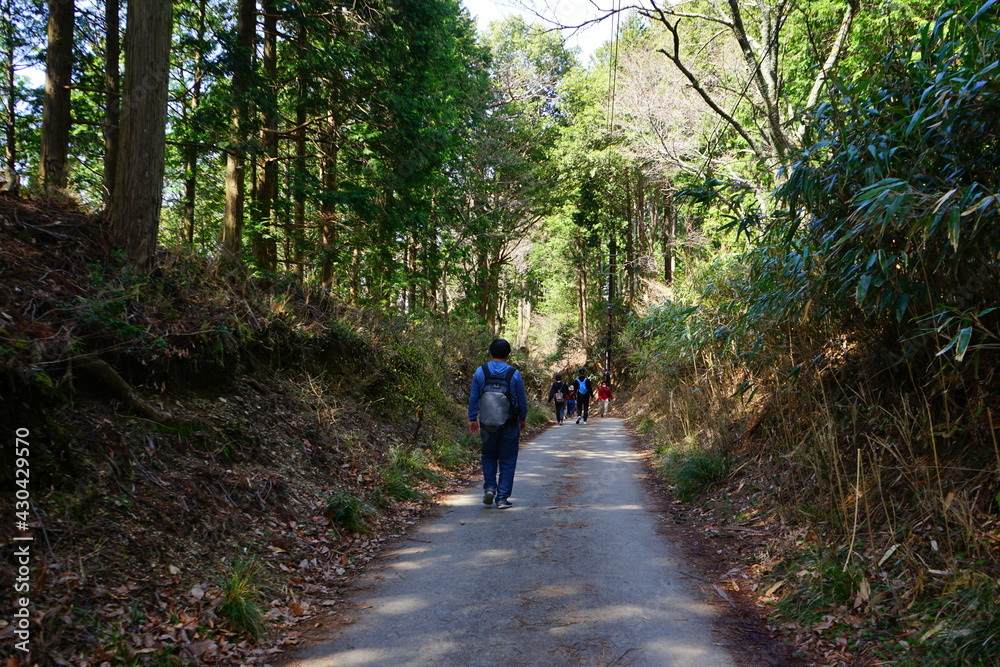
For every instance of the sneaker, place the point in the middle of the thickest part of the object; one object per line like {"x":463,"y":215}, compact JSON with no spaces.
{"x":488,"y":496}
{"x":504,"y":504}
{"x":584,"y":422}
{"x":578,"y":419}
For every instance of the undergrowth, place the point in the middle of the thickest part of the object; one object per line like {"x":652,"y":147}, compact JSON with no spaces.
{"x":349,"y":512}
{"x":241,"y":598}
{"x":691,"y":471}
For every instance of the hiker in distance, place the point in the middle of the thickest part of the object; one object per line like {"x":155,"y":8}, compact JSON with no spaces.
{"x":557,"y":392}
{"x":498,"y":408}
{"x":570,"y":400}
{"x":584,"y":389}
{"x":604,"y":396}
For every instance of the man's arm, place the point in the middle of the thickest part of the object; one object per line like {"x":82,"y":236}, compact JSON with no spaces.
{"x":475,"y":392}
{"x":517,"y":386}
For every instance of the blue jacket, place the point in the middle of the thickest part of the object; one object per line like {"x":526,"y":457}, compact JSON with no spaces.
{"x":519,"y":398}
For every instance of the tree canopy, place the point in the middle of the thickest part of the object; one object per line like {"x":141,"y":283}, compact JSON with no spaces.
{"x":386,"y":151}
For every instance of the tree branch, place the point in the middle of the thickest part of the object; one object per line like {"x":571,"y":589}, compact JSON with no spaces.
{"x":696,"y":84}
{"x":688,"y":15}
{"x":755,"y":60}
{"x":836,"y":50}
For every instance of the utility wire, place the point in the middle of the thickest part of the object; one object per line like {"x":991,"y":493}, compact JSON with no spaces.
{"x":613,"y":52}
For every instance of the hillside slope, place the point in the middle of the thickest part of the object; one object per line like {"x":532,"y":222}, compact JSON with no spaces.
{"x":211,"y":456}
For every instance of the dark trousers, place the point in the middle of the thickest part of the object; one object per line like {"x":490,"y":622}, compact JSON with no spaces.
{"x":560,"y":408}
{"x":500,"y":456}
{"x":583,"y":405}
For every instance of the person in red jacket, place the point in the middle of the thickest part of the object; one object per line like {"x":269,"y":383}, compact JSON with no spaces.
{"x":604,"y":396}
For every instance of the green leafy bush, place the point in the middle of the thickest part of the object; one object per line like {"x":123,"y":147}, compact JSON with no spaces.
{"x":891,"y":214}
{"x":455,"y":454}
{"x":402,"y":475}
{"x":692,"y":470}
{"x":349,"y":512}
{"x":969,"y":633}
{"x":537,"y":416}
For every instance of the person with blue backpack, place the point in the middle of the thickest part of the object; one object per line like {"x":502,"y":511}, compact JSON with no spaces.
{"x":584,"y":390}
{"x":498,"y":409}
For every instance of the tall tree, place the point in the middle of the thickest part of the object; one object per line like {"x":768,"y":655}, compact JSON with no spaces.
{"x":263,"y":242}
{"x":756,"y":30}
{"x":135,"y":205}
{"x":17,"y":29}
{"x":242,"y":67}
{"x":296,"y":223}
{"x":56,"y":120}
{"x":507,"y":170}
{"x":112,"y":97}
{"x":198,"y":121}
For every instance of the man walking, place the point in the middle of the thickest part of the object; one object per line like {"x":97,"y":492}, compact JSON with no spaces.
{"x":498,"y":408}
{"x":583,"y":393}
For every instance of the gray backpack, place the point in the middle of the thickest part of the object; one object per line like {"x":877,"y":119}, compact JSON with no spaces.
{"x":496,"y":406}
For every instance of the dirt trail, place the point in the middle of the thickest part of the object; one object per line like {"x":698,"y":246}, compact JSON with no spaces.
{"x":575,"y":573}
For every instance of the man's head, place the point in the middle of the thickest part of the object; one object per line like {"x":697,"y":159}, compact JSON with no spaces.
{"x":579,"y":372}
{"x":499,"y":349}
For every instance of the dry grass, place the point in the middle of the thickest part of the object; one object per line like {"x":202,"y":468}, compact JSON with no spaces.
{"x":877,"y":495}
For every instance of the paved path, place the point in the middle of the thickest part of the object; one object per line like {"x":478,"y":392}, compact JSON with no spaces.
{"x":574,"y":574}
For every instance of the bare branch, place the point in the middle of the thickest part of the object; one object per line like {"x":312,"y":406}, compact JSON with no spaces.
{"x":675,"y":58}
{"x":661,"y":13}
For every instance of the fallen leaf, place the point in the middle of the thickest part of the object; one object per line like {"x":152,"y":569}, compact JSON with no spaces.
{"x":825,"y":624}
{"x":889,"y":552}
{"x":200,"y":649}
{"x":722,"y":593}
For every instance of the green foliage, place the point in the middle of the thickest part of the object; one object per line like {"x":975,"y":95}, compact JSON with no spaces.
{"x":455,"y":454}
{"x":969,"y":633}
{"x":665,"y":339}
{"x":646,"y":424}
{"x":349,"y":512}
{"x":823,"y":582}
{"x":402,"y":475}
{"x":344,"y":333}
{"x":240,"y":598}
{"x":533,"y":56}
{"x":891,"y":213}
{"x":537,"y":416}
{"x":692,"y":470}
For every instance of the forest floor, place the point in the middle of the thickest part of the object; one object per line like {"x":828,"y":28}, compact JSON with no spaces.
{"x":727,"y":559}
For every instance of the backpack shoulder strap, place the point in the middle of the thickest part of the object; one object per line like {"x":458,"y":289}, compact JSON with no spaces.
{"x":507,"y":375}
